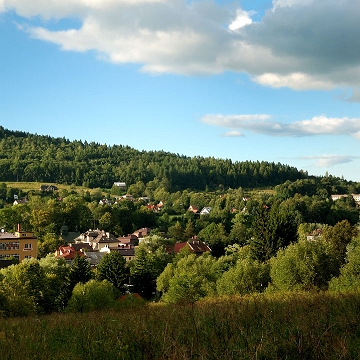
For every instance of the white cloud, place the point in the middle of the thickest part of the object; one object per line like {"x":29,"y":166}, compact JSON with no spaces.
{"x":296,"y":81}
{"x":301,"y":44}
{"x":233,"y":133}
{"x":261,"y":124}
{"x":242,"y":19}
{"x":330,"y":160}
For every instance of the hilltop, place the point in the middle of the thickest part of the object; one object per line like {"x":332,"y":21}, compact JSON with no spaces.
{"x":38,"y":158}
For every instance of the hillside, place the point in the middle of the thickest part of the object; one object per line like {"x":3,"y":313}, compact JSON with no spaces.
{"x":37,"y":158}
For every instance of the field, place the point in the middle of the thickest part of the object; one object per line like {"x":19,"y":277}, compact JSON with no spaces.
{"x":273,"y":326}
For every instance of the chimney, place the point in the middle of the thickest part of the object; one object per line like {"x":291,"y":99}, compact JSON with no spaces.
{"x":18,"y":228}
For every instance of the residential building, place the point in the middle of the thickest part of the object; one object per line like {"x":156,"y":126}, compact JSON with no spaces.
{"x":19,"y":245}
{"x":205,"y":211}
{"x":194,"y":209}
{"x":196,"y":246}
{"x":49,"y":188}
{"x":97,"y":239}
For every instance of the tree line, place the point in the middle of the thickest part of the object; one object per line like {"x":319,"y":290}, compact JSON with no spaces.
{"x":28,"y":157}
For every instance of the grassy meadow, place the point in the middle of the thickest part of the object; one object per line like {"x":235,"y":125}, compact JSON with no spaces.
{"x":267,"y":326}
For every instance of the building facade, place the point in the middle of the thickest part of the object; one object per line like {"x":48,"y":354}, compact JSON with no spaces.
{"x":19,"y":245}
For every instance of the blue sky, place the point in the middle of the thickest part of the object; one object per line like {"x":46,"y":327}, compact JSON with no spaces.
{"x":254,"y":80}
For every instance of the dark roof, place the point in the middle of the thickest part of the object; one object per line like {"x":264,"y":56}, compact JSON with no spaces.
{"x":124,"y":251}
{"x":130,"y":239}
{"x":196,"y":246}
{"x":142,"y":232}
{"x":80,"y":246}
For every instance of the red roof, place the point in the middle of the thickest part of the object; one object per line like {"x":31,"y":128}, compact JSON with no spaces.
{"x":67,"y":252}
{"x":196,"y":246}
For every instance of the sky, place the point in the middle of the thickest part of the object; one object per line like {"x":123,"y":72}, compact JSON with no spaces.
{"x":275,"y":81}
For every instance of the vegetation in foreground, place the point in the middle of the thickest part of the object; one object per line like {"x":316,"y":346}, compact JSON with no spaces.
{"x":271,"y":326}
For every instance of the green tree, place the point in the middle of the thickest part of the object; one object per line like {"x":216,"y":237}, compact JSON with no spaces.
{"x":91,"y":296}
{"x":80,"y":272}
{"x":112,"y":267}
{"x":49,"y":244}
{"x":177,"y":232}
{"x":214,"y":235}
{"x":271,"y":230}
{"x":145,"y":268}
{"x":306,"y":265}
{"x":339,"y":236}
{"x":248,"y":276}
{"x":349,"y":278}
{"x":190,"y":279}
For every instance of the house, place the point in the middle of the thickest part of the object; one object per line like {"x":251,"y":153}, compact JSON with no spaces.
{"x":105,"y":202}
{"x":126,"y":251}
{"x":121,"y":185}
{"x":128,"y":197}
{"x":68,"y":253}
{"x":337,"y":197}
{"x":49,"y":188}
{"x":131,"y":239}
{"x":356,"y":197}
{"x":19,"y":245}
{"x":97,"y":239}
{"x":314,"y":235}
{"x":196,"y":246}
{"x":145,"y":199}
{"x":194,"y":209}
{"x":20,"y":201}
{"x":205,"y":211}
{"x":141,"y":233}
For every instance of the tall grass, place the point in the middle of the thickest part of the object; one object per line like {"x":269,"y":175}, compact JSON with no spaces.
{"x":267,"y":326}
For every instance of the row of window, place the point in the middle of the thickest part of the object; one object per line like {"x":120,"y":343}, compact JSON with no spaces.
{"x":7,"y":256}
{"x":14,"y":245}
{"x":13,"y":256}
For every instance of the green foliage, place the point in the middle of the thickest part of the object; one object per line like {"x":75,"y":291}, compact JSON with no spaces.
{"x":271,"y":230}
{"x":190,"y":279}
{"x":112,"y":268}
{"x":306,"y":265}
{"x":248,"y":276}
{"x":339,"y":236}
{"x":27,"y":157}
{"x":80,"y":272}
{"x":215,"y":236}
{"x":49,"y":244}
{"x":349,"y":278}
{"x":91,"y":296}
{"x":148,"y":264}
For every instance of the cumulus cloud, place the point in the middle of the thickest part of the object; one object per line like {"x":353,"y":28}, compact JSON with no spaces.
{"x":242,"y":19}
{"x":301,"y":44}
{"x":262,"y":124}
{"x":330,"y":160}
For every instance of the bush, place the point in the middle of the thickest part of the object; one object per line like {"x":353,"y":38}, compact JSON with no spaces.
{"x":246,"y":277}
{"x":93,"y":295}
{"x":306,"y":265}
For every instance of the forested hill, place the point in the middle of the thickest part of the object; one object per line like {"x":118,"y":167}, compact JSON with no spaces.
{"x":29,"y":157}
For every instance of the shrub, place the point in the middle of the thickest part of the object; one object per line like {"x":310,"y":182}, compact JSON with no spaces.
{"x":246,"y":277}
{"x":306,"y":265}
{"x":93,"y":295}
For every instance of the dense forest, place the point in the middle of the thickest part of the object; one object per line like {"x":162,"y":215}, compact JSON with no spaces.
{"x":38,"y":158}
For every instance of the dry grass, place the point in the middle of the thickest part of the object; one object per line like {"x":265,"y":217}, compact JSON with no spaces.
{"x":277,"y":326}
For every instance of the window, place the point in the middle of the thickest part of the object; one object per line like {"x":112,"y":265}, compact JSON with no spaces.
{"x":28,"y":256}
{"x":14,"y":245}
{"x":28,"y":247}
{"x":8,"y":256}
